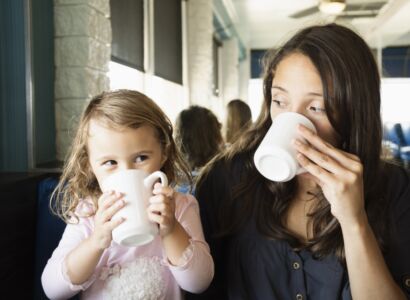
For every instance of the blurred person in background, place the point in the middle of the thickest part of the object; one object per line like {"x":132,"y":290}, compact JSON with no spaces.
{"x":238,"y":118}
{"x":199,"y":138}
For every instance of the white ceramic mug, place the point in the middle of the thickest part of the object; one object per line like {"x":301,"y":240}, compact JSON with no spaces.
{"x":137,"y":186}
{"x":275,"y":157}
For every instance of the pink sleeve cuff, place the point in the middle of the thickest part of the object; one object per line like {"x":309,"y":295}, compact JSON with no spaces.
{"x":75,"y":287}
{"x":184,"y":259}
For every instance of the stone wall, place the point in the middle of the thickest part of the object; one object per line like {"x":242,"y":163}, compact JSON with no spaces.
{"x":199,"y":44}
{"x":82,"y":54}
{"x":229,"y":70}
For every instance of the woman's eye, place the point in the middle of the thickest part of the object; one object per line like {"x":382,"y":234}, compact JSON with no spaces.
{"x":141,"y":158}
{"x":316,"y":109}
{"x":109,"y":163}
{"x":279,"y":103}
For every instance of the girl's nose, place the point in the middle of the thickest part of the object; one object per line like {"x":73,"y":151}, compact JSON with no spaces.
{"x":127,"y":166}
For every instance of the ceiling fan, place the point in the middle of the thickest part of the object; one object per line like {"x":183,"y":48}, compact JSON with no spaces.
{"x":342,"y":9}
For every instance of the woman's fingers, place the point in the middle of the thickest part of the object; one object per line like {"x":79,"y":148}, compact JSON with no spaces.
{"x":347,"y":160}
{"x":319,"y":158}
{"x":323,"y":176}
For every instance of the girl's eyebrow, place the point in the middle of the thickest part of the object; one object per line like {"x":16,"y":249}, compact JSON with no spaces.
{"x":286,"y":91}
{"x":106,"y":157}
{"x":113,"y":157}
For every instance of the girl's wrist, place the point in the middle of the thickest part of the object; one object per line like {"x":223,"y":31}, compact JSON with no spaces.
{"x":175,"y":243}
{"x":95,"y":244}
{"x":171,"y":231}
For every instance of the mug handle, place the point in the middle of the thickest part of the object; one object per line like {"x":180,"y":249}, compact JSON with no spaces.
{"x":150,"y":180}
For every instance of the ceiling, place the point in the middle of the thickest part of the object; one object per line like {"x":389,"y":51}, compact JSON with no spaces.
{"x":263,"y":24}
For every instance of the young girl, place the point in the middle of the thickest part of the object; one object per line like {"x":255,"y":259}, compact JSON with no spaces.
{"x":339,"y":231}
{"x":125,"y":130}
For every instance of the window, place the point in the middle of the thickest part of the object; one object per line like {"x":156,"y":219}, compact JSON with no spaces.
{"x":256,"y":63}
{"x":168,"y":40}
{"x":127,"y":21}
{"x":396,"y":62}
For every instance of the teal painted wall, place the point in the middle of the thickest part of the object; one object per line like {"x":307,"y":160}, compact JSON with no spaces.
{"x":13,"y":148}
{"x":13,"y":112}
{"x":43,"y":76}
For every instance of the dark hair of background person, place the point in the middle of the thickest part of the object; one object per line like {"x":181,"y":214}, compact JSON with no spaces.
{"x":198,"y":135}
{"x":351,"y":90}
{"x":238,"y":118}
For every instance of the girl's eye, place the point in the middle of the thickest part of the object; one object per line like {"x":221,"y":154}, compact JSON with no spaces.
{"x":109,"y":163}
{"x":141,"y":158}
{"x":279,"y":103}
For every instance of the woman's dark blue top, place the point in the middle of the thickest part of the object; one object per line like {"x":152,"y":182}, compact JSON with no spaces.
{"x":249,"y":265}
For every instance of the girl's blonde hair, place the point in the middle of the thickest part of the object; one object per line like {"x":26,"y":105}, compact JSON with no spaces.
{"x":117,"y":109}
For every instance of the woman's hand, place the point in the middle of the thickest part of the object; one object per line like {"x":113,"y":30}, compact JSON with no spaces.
{"x":108,"y":205}
{"x":338,"y":173}
{"x":161,"y":209}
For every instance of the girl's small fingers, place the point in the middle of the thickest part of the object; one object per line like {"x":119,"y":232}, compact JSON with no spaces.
{"x":113,"y":209}
{"x":158,"y":199}
{"x":158,"y":208}
{"x":104,"y":196}
{"x":115,"y":223}
{"x":165,"y":190}
{"x":159,"y":219}
{"x":109,"y":199}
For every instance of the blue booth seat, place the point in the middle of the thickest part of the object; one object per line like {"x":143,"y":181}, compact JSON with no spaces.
{"x":393,"y":138}
{"x":48,"y":232}
{"x":405,"y":150}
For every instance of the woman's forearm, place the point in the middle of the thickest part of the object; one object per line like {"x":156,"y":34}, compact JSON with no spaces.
{"x":368,"y":273}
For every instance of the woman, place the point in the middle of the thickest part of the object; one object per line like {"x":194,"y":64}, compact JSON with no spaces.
{"x":198,"y":137}
{"x":339,"y":231}
{"x":238,"y":118}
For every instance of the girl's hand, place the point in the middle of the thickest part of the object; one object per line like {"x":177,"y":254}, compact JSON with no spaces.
{"x":108,"y":205}
{"x":161,"y":209}
{"x":338,"y":173}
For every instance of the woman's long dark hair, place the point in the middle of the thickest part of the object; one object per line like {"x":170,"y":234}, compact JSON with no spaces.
{"x":198,"y":135}
{"x":351,"y":89}
{"x":239,"y":118}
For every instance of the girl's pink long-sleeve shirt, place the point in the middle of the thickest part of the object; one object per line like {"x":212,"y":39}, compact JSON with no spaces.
{"x":134,"y":272}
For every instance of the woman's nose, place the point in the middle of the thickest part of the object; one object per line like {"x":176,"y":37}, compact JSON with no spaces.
{"x":298,"y":109}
